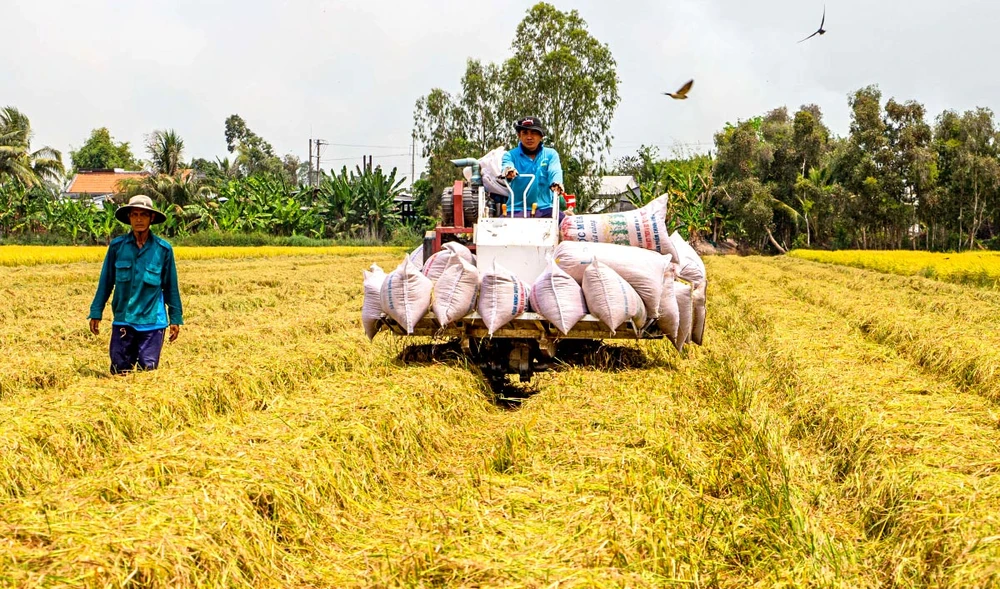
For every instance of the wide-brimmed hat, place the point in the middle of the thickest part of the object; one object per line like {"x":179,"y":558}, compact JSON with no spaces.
{"x":530,"y":123}
{"x":140,"y":202}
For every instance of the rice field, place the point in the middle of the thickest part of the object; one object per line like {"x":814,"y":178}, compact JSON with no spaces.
{"x":976,"y":268}
{"x":838,"y":429}
{"x":35,"y":255}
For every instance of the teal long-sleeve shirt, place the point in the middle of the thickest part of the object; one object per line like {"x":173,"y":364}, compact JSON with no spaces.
{"x":141,"y":281}
{"x":546,"y":168}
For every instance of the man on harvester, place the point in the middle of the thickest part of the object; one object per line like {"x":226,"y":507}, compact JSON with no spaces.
{"x":529,"y":158}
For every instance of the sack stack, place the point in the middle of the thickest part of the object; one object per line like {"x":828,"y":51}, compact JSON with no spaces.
{"x":618,"y":267}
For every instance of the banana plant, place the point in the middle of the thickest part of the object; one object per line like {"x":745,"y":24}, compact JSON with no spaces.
{"x":336,"y":199}
{"x":13,"y":205}
{"x":101,"y":224}
{"x":201,"y":215}
{"x":377,"y":194}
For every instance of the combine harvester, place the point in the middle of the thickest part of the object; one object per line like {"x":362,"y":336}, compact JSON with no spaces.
{"x":525,"y":246}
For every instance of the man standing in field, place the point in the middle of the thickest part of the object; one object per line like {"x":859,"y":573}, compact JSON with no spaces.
{"x":533,"y":158}
{"x":139,"y":268}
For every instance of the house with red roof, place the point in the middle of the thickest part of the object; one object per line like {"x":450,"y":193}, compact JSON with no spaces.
{"x":99,"y":185}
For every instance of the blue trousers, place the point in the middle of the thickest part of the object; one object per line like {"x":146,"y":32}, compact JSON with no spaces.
{"x":130,"y":349}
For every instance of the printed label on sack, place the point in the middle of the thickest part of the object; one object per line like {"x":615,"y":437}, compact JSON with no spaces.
{"x":388,"y":289}
{"x":518,"y":296}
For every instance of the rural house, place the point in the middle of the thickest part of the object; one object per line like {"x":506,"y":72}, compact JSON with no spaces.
{"x":98,"y":186}
{"x":615,"y":193}
{"x":404,"y":207}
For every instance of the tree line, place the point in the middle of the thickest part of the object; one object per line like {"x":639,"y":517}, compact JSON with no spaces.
{"x":773,"y":182}
{"x":253,"y":192}
{"x":776,"y":181}
{"x":780,"y":181}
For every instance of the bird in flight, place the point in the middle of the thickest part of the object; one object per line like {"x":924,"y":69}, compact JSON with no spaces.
{"x":681,"y":94}
{"x":819,"y":31}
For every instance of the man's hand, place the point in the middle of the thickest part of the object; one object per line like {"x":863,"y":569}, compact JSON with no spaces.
{"x":510,"y":174}
{"x":561,"y":192}
{"x":95,"y":326}
{"x":175,"y":330}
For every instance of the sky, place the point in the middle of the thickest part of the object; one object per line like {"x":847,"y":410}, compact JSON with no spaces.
{"x":350,"y":72}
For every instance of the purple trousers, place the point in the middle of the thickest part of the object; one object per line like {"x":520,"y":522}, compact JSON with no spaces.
{"x":130,"y":349}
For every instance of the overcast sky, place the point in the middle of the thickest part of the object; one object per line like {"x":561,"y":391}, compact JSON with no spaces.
{"x":349,"y":72}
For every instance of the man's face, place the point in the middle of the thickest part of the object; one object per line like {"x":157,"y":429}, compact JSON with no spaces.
{"x":140,"y":220}
{"x":529,"y":138}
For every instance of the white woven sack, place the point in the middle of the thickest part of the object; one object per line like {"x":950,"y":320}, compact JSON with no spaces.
{"x":610,"y":298}
{"x":682,"y":291}
{"x":406,"y":295}
{"x":455,"y":292}
{"x":371,"y":308}
{"x":460,"y":250}
{"x":669,"y":318}
{"x":645,"y":227}
{"x":490,"y":167}
{"x":642,"y":269}
{"x":417,"y":256}
{"x":692,"y":268}
{"x":698,"y":301}
{"x":502,"y":297}
{"x":557,"y":297}
{"x":436,"y":264}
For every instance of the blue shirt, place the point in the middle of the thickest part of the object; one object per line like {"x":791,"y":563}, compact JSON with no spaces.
{"x":143,"y":281}
{"x":547,"y":170}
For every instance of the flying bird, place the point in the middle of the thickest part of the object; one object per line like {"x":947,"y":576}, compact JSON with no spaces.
{"x":819,"y":31}
{"x":681,"y":94}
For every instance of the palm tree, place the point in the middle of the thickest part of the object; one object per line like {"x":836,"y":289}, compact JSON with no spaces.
{"x":809,"y":192}
{"x":17,"y":161}
{"x":228,"y":170}
{"x":165,"y":148}
{"x":177,"y":190}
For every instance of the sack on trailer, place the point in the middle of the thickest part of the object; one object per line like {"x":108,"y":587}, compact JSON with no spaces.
{"x":460,"y":250}
{"x":642,"y":269}
{"x":669,"y":319}
{"x":698,"y":302}
{"x":371,"y":307}
{"x":502,"y":297}
{"x":455,"y":292}
{"x":691,"y":266}
{"x":682,"y":290}
{"x":610,"y":298}
{"x":406,"y":295}
{"x":450,"y":251}
{"x":645,"y":227}
{"x":436,"y":264}
{"x":417,"y":256}
{"x":559,"y":298}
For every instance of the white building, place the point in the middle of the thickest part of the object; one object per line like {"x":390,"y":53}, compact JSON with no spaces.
{"x":615,"y":193}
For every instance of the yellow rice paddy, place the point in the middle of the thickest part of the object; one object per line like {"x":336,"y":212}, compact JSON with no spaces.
{"x":838,"y":429}
{"x":34,"y":255}
{"x":978,"y":268}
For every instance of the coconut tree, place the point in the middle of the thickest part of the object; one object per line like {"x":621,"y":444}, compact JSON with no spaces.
{"x":17,"y":161}
{"x":179,"y":190}
{"x":165,"y":148}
